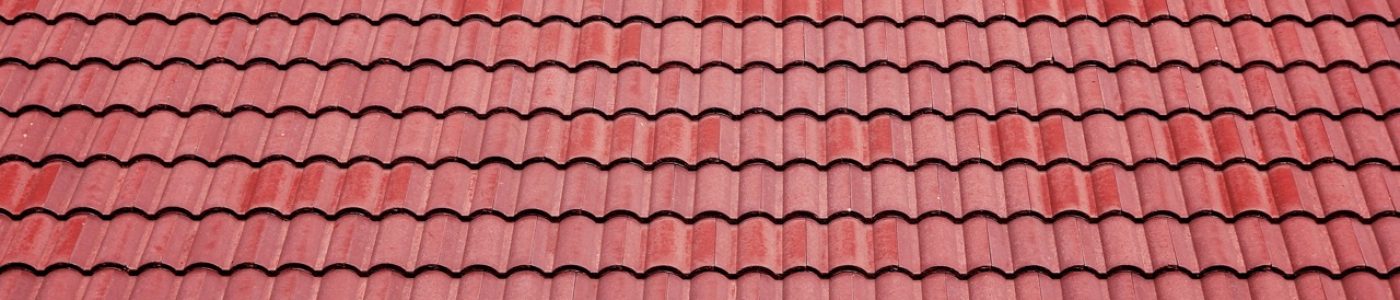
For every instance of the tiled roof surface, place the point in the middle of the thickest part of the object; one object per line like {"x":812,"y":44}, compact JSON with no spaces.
{"x":630,"y":149}
{"x":752,"y":139}
{"x":732,"y":10}
{"x":710,"y":45}
{"x":398,"y":241}
{"x":553,"y":89}
{"x":971,"y":191}
{"x":433,"y":284}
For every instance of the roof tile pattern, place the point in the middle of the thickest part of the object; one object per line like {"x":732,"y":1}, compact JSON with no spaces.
{"x":670,"y":189}
{"x":401,"y":242}
{"x":680,"y":44}
{"x":700,"y":149}
{"x":800,"y":89}
{"x":732,"y":10}
{"x":340,"y":283}
{"x":752,"y":139}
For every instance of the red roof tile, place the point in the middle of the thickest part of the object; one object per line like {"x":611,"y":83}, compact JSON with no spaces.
{"x":700,"y":149}
{"x":753,"y":139}
{"x":399,"y":241}
{"x":676,"y":44}
{"x":672,"y":190}
{"x":797,"y":90}
{"x":433,"y":284}
{"x":730,"y":10}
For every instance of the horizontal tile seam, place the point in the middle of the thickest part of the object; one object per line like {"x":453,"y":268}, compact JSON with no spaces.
{"x":41,"y":63}
{"x":676,"y":65}
{"x":1019,"y":21}
{"x":732,"y":166}
{"x":735,"y":166}
{"x":312,"y":113}
{"x":826,"y":274}
{"x":690,"y":220}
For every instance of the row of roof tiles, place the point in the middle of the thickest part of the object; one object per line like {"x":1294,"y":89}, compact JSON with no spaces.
{"x":104,"y":187}
{"x":421,"y":136}
{"x":696,"y":10}
{"x":1240,"y":44}
{"x":345,"y":284}
{"x":801,"y":89}
{"x":398,"y":241}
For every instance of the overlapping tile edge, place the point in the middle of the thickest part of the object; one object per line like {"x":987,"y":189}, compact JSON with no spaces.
{"x":732,"y":11}
{"x":182,"y":88}
{"x":424,"y":139}
{"x":1329,"y":45}
{"x":1293,"y":247}
{"x":204,"y":283}
{"x":628,"y":190}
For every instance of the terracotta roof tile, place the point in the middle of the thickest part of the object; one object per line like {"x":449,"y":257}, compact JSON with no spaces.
{"x":161,"y":284}
{"x":1175,"y":140}
{"x":730,"y":10}
{"x":958,"y":43}
{"x":665,"y":243}
{"x":669,"y":189}
{"x":699,"y":149}
{"x":554,"y":89}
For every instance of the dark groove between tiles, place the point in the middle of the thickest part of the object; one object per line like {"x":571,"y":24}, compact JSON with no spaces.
{"x":687,"y":219}
{"x":693,"y":116}
{"x":825,"y":274}
{"x":651,"y":165}
{"x":674,"y":65}
{"x":647,"y":21}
